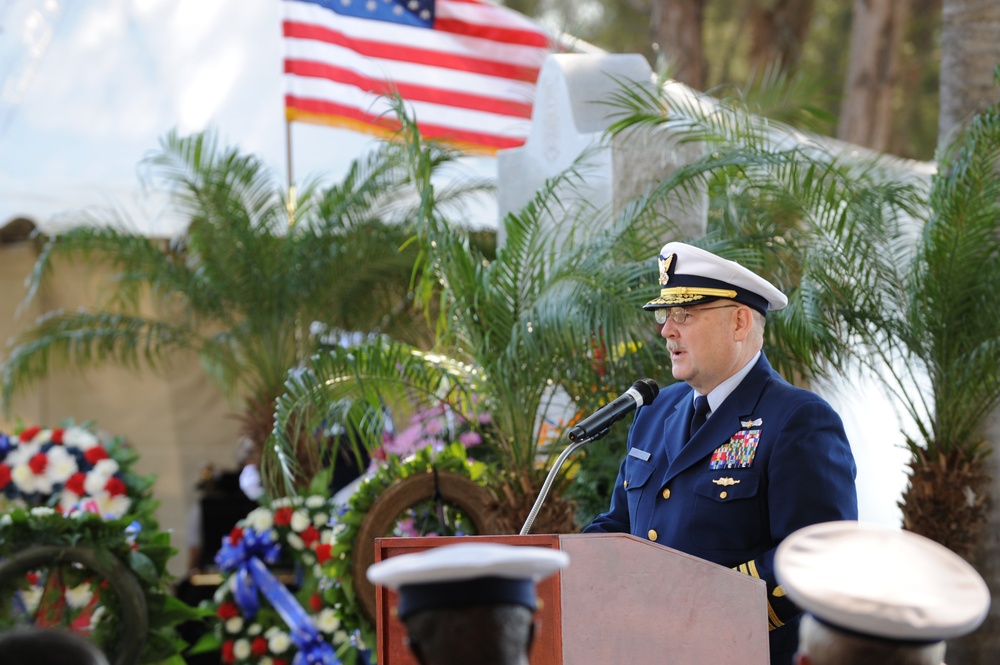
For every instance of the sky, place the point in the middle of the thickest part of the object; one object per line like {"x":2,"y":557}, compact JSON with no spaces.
{"x":87,"y":89}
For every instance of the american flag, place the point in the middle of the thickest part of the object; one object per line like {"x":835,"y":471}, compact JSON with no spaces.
{"x":466,"y":68}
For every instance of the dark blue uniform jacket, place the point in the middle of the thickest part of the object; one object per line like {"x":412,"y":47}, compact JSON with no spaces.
{"x":772,"y":458}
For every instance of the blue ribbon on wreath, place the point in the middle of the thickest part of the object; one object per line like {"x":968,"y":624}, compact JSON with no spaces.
{"x":253,"y":579}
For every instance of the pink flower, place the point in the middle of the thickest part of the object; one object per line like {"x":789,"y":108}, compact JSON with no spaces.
{"x":470,"y":439}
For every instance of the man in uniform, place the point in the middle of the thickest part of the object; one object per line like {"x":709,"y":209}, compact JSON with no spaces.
{"x":730,"y":460}
{"x":469,"y":603}
{"x":877,"y":596}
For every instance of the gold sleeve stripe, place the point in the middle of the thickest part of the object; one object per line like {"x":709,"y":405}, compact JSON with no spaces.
{"x":750,"y":568}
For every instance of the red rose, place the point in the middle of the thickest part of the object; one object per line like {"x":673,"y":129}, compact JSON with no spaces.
{"x":324,"y":552}
{"x":38,"y":462}
{"x":283,"y":516}
{"x":227,"y":611}
{"x":259,"y":646}
{"x":115,"y":486}
{"x":57,"y":435}
{"x":30,"y":433}
{"x":315,"y":603}
{"x":75,"y":483}
{"x":236,"y":535}
{"x":4,"y":476}
{"x":310,"y":535}
{"x":227,"y":652}
{"x":95,"y":454}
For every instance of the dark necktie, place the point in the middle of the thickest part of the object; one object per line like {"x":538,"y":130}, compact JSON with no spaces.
{"x":700,"y":414}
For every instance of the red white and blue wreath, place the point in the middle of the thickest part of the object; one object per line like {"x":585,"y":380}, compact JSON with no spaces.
{"x":260,"y":618}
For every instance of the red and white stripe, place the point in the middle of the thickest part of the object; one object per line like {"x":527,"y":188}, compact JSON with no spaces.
{"x":470,"y":80}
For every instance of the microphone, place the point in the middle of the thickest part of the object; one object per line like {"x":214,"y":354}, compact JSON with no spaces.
{"x":597,"y":425}
{"x":594,"y":427}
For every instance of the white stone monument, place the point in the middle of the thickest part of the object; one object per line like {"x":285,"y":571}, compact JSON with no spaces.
{"x":573,"y":109}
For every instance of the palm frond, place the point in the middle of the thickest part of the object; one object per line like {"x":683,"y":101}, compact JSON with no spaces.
{"x":82,"y":340}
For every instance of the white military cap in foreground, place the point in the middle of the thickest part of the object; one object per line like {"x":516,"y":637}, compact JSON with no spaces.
{"x":467,"y":574}
{"x":881,"y":582}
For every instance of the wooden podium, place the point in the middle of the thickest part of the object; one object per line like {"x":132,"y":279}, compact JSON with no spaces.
{"x":621,"y":600}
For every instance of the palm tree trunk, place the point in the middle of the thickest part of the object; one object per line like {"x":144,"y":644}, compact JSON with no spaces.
{"x":970,"y":51}
{"x":876,"y":35}
{"x":777,"y":32}
{"x":678,"y":26}
{"x":983,"y":646}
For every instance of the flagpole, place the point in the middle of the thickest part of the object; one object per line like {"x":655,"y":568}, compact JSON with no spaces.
{"x":288,"y":165}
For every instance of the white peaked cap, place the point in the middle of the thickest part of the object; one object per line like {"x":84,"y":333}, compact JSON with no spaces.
{"x":881,"y":582}
{"x":466,"y":574}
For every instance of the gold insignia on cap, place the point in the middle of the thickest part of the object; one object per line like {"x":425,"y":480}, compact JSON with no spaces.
{"x":665,"y":263}
{"x":726,"y":482}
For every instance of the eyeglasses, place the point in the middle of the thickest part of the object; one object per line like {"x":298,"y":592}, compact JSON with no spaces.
{"x":680,"y":315}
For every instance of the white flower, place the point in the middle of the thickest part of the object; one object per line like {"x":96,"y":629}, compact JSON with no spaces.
{"x":315,"y":501}
{"x":271,"y":632}
{"x":31,"y":597}
{"x":279,"y":642}
{"x":95,"y":618}
{"x":79,"y":438}
{"x":327,"y":621}
{"x":42,"y":511}
{"x":106,"y":467}
{"x":5,"y":520}
{"x":234,"y":625}
{"x":340,"y":637}
{"x":339,"y":529}
{"x":61,"y":465}
{"x":254,"y":629}
{"x":320,"y":520}
{"x":78,"y":596}
{"x":300,"y":521}
{"x":94,"y":483}
{"x":116,"y":506}
{"x":296,"y":542}
{"x":28,"y":482}
{"x":281,"y":502}
{"x":241,"y":649}
{"x":220,"y":594}
{"x":260,"y":520}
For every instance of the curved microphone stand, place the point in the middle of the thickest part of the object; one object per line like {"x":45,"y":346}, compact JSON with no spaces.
{"x":549,"y":479}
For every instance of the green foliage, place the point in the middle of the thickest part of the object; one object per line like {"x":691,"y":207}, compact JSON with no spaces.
{"x":144,"y":553}
{"x":932,"y":314}
{"x":347,"y":523}
{"x":254,"y":269}
{"x":516,"y":332}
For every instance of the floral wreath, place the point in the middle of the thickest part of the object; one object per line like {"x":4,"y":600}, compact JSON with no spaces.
{"x":291,"y":533}
{"x":342,"y":595}
{"x":70,"y":469}
{"x":77,"y":597}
